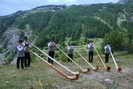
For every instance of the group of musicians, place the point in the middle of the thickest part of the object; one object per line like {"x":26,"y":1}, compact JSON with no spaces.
{"x":71,"y":47}
{"x":24,"y":58}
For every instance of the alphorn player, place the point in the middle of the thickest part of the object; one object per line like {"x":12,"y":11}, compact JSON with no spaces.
{"x":107,"y":50}
{"x":27,"y":45}
{"x":51,"y":50}
{"x":20,"y":55}
{"x":90,"y":47}
{"x":70,"y":51}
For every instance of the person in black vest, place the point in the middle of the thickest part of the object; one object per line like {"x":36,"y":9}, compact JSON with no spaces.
{"x":27,"y":44}
{"x":51,"y":50}
{"x":20,"y":54}
{"x":90,"y":47}
{"x":107,"y":49}
{"x":70,"y":50}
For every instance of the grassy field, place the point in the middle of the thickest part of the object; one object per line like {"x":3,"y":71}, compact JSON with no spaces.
{"x":40,"y":76}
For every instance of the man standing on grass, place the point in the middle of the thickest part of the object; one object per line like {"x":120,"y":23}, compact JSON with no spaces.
{"x":107,"y":49}
{"x":27,"y":44}
{"x":70,"y":51}
{"x":20,"y":54}
{"x":51,"y":50}
{"x":90,"y":47}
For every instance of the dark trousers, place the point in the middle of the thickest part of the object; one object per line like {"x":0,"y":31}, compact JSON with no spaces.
{"x":27,"y":59}
{"x":91,"y":56}
{"x":51,"y":54}
{"x":106,"y":57}
{"x":71,"y":56}
{"x":20,"y":60}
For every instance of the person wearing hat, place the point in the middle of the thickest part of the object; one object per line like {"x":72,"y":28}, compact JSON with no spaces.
{"x":51,"y":50}
{"x":90,"y":47}
{"x":20,"y":54}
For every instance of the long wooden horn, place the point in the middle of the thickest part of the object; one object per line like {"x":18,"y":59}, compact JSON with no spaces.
{"x":86,"y":60}
{"x":116,"y":65}
{"x":105,"y":67}
{"x":82,"y":69}
{"x":75,"y":73}
{"x":73,"y":77}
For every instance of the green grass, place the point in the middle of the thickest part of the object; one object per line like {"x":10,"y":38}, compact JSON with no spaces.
{"x":97,"y":41}
{"x":39,"y":76}
{"x":126,"y":60}
{"x":11,"y":78}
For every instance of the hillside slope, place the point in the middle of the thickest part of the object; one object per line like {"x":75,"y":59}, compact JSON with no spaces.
{"x":40,"y":76}
{"x":62,"y":22}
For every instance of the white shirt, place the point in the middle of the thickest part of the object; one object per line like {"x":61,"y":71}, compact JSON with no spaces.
{"x":90,"y":46}
{"x":51,"y":46}
{"x":107,"y":47}
{"x":20,"y":48}
{"x":70,"y":49}
{"x":26,"y":47}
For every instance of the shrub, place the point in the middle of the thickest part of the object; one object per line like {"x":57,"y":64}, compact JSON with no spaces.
{"x":117,"y":39}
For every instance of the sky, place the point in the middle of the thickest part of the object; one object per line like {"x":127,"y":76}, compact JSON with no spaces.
{"x":10,"y":6}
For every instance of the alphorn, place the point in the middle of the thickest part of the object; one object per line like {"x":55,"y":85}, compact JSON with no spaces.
{"x":81,"y":69}
{"x":105,"y":67}
{"x":74,"y":73}
{"x":86,"y":61}
{"x":119,"y":69}
{"x":72,"y":77}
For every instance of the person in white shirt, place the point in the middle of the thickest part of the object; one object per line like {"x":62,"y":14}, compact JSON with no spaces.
{"x":90,"y":47}
{"x":27,"y":45}
{"x":20,"y":54}
{"x":70,"y":51}
{"x":107,"y":49}
{"x":51,"y":50}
